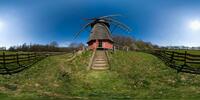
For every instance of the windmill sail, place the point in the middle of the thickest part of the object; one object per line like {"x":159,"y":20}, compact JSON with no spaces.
{"x":100,"y":35}
{"x":83,"y":28}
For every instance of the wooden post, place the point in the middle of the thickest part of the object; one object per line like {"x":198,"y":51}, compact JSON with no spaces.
{"x":185,"y":58}
{"x":4,"y":60}
{"x":4,"y":63}
{"x":35,"y":55}
{"x":17,"y":57}
{"x":172,"y":57}
{"x":29,"y":57}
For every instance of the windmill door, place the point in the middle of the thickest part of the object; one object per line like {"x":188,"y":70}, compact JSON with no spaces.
{"x":100,"y":44}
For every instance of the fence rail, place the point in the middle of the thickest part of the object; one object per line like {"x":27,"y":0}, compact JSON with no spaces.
{"x":14,"y":63}
{"x":182,"y":62}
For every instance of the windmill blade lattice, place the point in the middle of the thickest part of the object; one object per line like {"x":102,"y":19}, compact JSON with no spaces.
{"x":82,"y":29}
{"x":110,"y":16}
{"x":118,"y":24}
{"x":106,"y":20}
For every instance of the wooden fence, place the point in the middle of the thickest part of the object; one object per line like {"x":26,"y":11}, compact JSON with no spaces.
{"x":14,"y":63}
{"x":182,"y":62}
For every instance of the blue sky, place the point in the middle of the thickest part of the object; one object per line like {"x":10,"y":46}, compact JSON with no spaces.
{"x":162,"y":22}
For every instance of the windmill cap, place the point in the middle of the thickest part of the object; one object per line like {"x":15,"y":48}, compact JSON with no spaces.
{"x":100,"y":31}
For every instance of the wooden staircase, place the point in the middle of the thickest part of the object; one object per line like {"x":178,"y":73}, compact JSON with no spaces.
{"x":100,"y":61}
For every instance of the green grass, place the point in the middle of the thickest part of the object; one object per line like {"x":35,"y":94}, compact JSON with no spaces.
{"x":132,"y":75}
{"x":148,"y":77}
{"x":12,"y":52}
{"x":50,"y":77}
{"x":13,"y":59}
{"x":196,"y":52}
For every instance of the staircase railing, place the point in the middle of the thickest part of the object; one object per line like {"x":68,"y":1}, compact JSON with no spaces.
{"x":108,"y":58}
{"x":91,"y":60}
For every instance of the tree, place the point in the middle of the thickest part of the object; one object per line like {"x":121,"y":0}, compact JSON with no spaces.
{"x":12,"y":48}
{"x":125,"y":41}
{"x":54,"y":44}
{"x":74,"y":45}
{"x":24,"y":47}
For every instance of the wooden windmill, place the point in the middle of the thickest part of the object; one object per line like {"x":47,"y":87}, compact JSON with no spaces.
{"x":100,"y":35}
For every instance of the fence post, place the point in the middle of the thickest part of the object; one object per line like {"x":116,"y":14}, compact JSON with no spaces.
{"x":29,"y":57}
{"x":17,"y":58}
{"x":185,"y":58}
{"x":4,"y":63}
{"x":171,"y":62}
{"x":35,"y":56}
{"x":172,"y":57}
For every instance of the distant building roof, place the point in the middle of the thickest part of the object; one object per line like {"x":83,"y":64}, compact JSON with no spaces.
{"x":100,"y":31}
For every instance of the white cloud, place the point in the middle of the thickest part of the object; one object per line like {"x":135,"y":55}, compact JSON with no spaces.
{"x":64,"y":44}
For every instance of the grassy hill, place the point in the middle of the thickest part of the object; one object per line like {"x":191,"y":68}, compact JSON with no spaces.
{"x":148,"y":77}
{"x":132,"y":75}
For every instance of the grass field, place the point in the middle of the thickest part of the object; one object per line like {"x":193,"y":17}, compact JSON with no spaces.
{"x":196,"y":52}
{"x":15,"y":61}
{"x":193,"y":52}
{"x":132,"y":75}
{"x":11,"y":52}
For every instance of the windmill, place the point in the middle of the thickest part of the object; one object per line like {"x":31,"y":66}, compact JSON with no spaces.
{"x":100,"y":35}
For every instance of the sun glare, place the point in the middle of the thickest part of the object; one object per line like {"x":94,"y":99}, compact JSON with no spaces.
{"x":2,"y":26}
{"x":195,"y":25}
